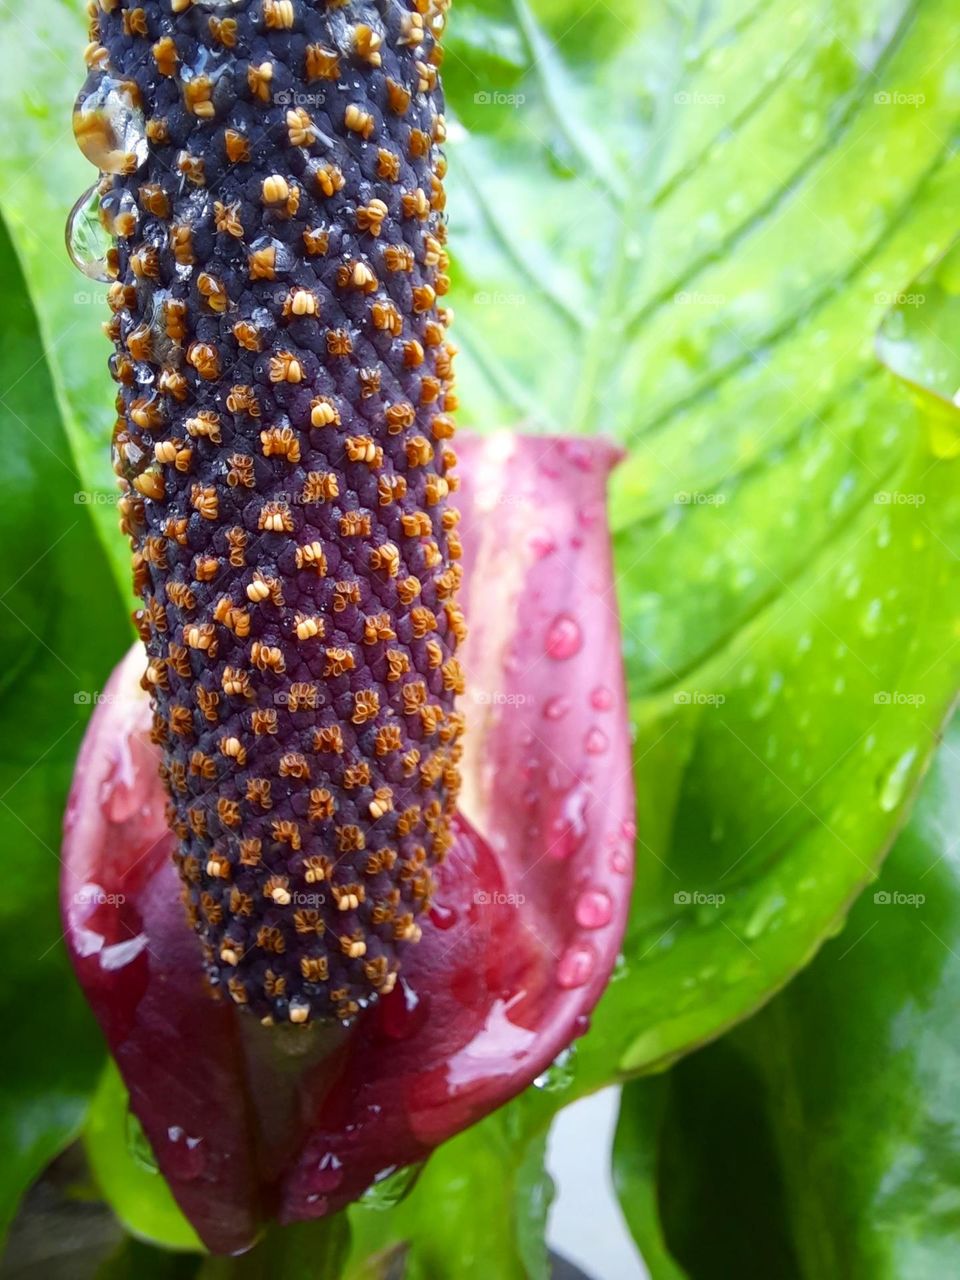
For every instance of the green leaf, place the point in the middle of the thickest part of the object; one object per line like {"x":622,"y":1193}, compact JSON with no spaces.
{"x":829,"y":1122}
{"x":134,"y":1260}
{"x":688,"y":262}
{"x":478,"y":1209}
{"x":123,"y":1166}
{"x":61,"y":623}
{"x":44,"y":173}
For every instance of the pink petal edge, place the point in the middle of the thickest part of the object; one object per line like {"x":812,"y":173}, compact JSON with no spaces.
{"x":249,"y":1123}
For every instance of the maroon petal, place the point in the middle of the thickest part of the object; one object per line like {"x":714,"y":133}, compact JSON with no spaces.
{"x":250,"y":1122}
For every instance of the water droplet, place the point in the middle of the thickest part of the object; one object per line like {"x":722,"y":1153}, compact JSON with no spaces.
{"x":556,"y":708}
{"x":564,"y":637}
{"x":569,"y":827}
{"x":327,"y":1176}
{"x":870,"y":619}
{"x":620,"y":862}
{"x":559,"y":1075}
{"x":763,"y":913}
{"x":593,"y":909}
{"x":109,"y":126}
{"x":893,"y":783}
{"x":402,"y":1012}
{"x":601,"y":699}
{"x":576,"y":966}
{"x":139,"y":1146}
{"x":596,"y":742}
{"x":88,"y":243}
{"x":443,"y":917}
{"x":542,"y":544}
{"x":184,"y":1155}
{"x":390,"y":1186}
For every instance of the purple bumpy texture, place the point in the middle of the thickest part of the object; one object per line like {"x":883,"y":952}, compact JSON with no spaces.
{"x":275,"y":191}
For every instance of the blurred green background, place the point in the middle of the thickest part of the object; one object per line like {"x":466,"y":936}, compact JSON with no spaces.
{"x":721,"y":232}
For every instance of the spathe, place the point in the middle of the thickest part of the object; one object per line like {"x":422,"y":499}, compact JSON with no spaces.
{"x":250,"y":1123}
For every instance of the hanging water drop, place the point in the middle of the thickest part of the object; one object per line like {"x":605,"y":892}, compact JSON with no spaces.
{"x":88,"y":243}
{"x":109,"y":125}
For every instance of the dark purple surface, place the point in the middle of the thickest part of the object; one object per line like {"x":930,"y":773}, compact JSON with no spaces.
{"x":284,"y":718}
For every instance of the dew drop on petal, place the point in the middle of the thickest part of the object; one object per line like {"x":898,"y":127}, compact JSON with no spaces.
{"x":403,"y":1012}
{"x":564,"y":637}
{"x":569,"y":828}
{"x":442,"y":916}
{"x":576,"y":966}
{"x":109,"y":126}
{"x":184,"y":1157}
{"x":596,"y":742}
{"x":87,"y":241}
{"x":593,"y":909}
{"x":601,"y":699}
{"x":556,"y":708}
{"x":620,"y":862}
{"x":542,"y":544}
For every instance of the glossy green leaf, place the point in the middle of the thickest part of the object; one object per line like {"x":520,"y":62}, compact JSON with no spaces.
{"x":61,"y":622}
{"x":827,"y":1125}
{"x":122,"y":1164}
{"x":786,"y":520}
{"x":44,"y":173}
